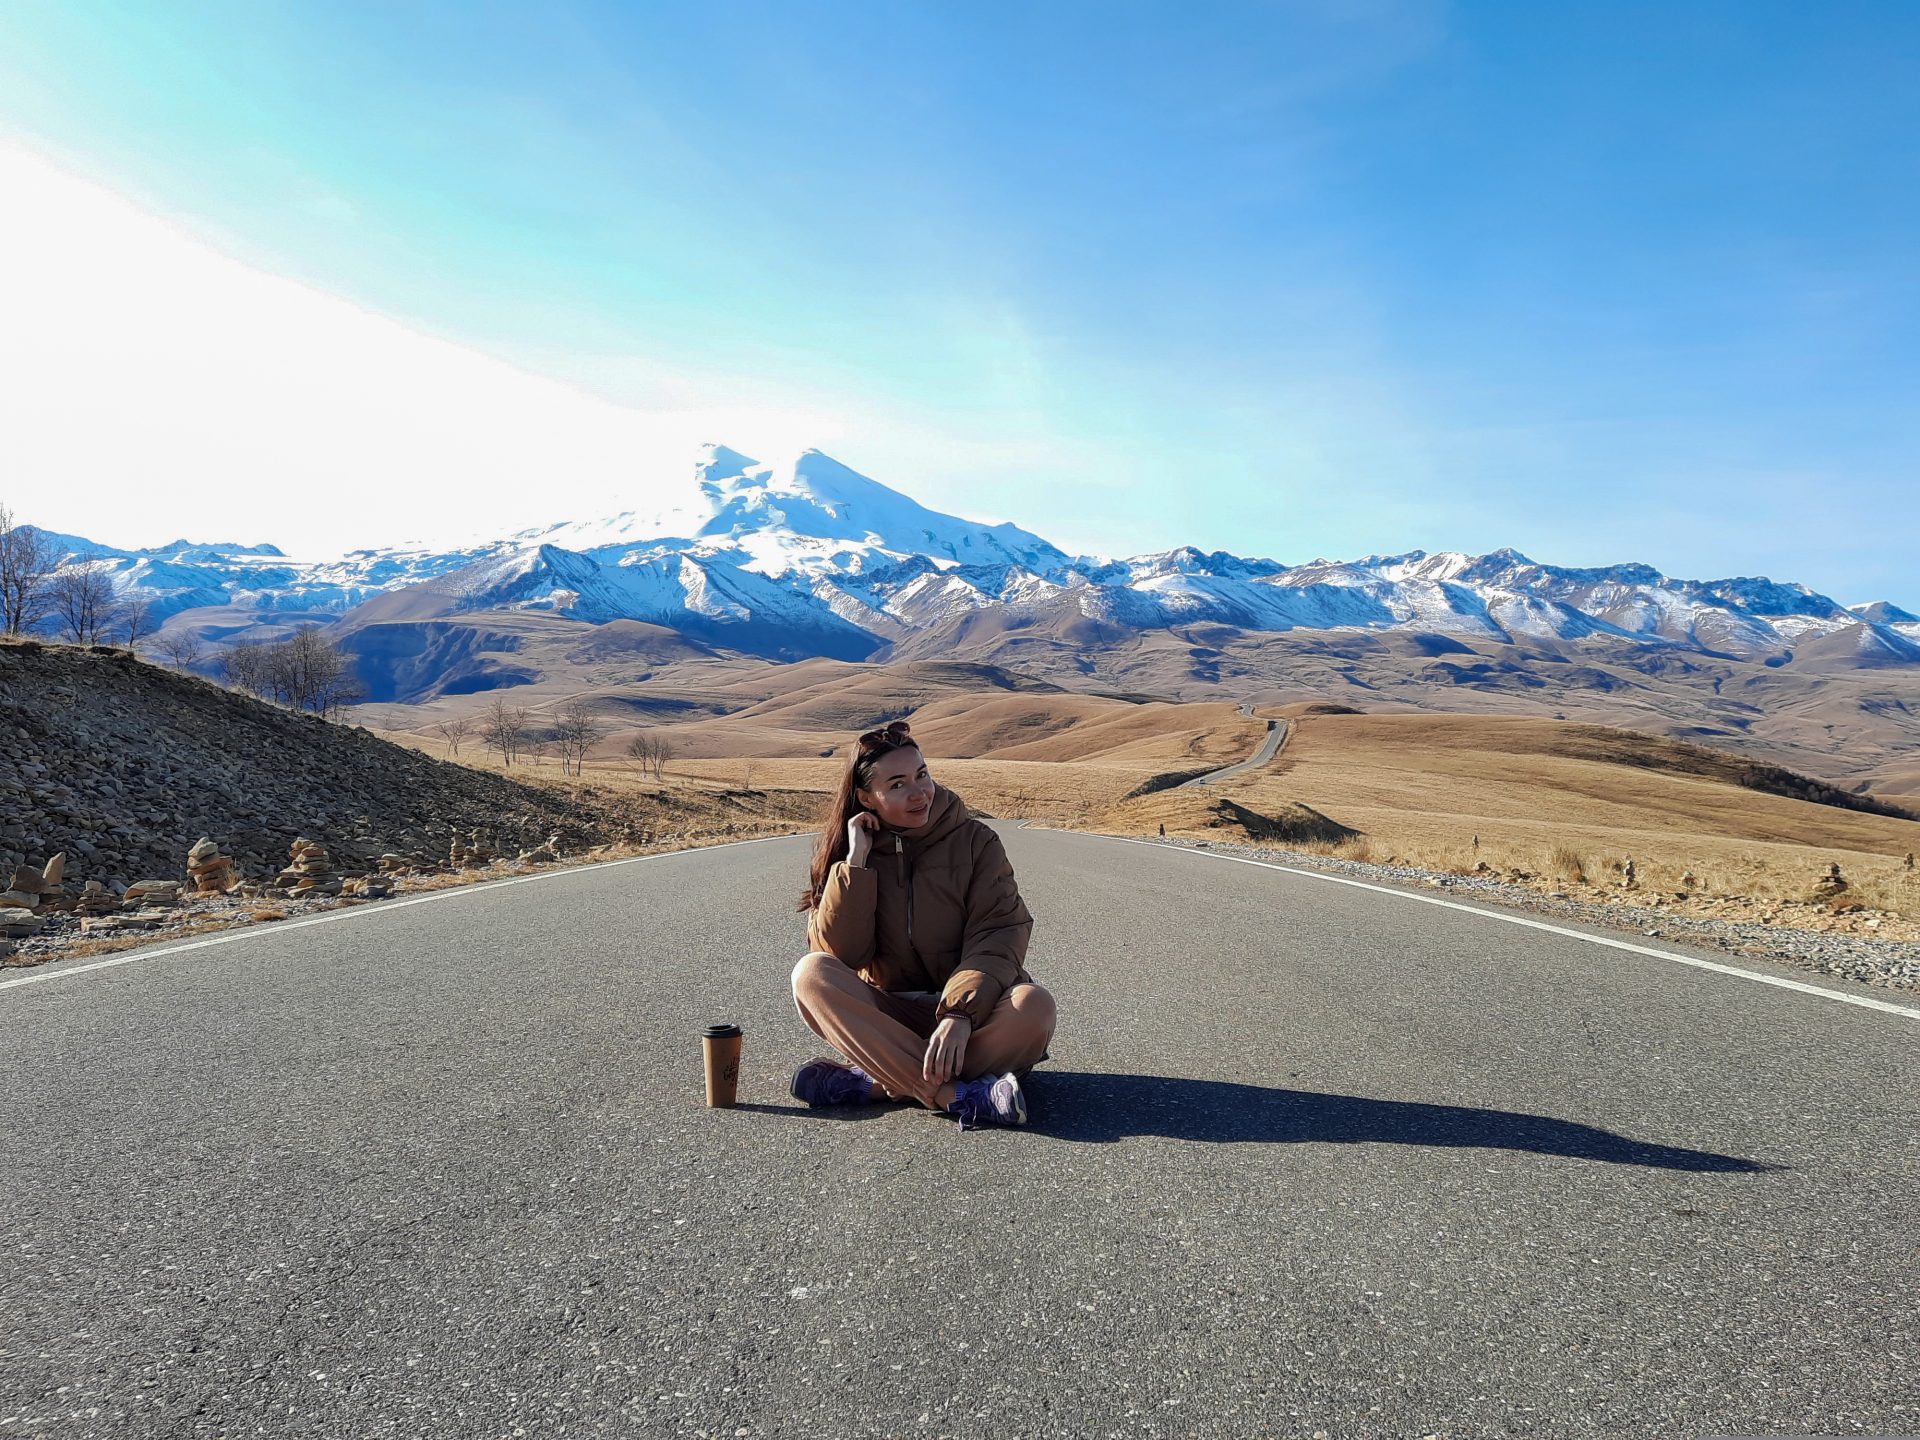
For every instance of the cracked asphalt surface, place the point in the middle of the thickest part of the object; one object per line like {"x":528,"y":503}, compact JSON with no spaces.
{"x":1307,"y":1160}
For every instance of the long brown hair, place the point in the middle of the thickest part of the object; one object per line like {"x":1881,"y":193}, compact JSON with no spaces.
{"x":832,"y":845}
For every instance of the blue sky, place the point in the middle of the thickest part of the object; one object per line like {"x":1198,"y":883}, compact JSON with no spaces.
{"x":1602,"y":282}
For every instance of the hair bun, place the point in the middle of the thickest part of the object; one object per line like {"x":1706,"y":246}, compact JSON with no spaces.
{"x":900,"y":727}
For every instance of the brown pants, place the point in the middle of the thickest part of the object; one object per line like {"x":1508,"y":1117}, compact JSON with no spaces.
{"x":885,"y":1032}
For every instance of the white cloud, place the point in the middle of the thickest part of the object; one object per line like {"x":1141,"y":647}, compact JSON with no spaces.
{"x":151,"y":387}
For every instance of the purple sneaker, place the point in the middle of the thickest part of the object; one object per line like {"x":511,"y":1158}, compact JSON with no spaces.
{"x":990,"y":1100}
{"x":828,"y":1082}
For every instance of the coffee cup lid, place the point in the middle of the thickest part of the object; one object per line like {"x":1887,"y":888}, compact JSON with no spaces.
{"x":720,"y":1032}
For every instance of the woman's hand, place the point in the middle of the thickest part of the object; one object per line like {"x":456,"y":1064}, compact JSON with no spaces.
{"x":860,"y":832}
{"x":947,"y":1049}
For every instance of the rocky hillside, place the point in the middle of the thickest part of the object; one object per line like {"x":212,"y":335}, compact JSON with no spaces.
{"x":123,"y":765}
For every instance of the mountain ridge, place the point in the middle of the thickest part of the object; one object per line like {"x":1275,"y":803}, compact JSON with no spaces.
{"x":809,"y":556}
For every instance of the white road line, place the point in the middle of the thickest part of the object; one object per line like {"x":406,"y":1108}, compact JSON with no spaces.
{"x":1908,"y":1011}
{"x":387,"y":907}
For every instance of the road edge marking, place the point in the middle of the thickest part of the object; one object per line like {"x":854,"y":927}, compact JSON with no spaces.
{"x":1905,"y":1010}
{"x":254,"y":931}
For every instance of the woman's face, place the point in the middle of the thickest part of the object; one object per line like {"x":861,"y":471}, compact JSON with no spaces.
{"x":900,"y":790}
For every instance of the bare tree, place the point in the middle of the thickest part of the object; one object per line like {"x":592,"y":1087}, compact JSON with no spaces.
{"x":82,"y":598}
{"x":179,"y":648}
{"x":503,"y":727}
{"x":136,"y":618}
{"x":310,"y":671}
{"x":26,"y":563}
{"x":638,"y":748}
{"x":336,"y":693}
{"x":576,"y":731}
{"x":307,"y":671}
{"x":245,"y":668}
{"x":651,"y":753}
{"x":454,"y":731}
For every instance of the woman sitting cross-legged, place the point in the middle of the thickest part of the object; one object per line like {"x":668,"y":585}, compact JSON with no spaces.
{"x":917,"y":939}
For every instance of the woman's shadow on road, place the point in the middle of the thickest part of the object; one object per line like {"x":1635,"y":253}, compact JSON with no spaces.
{"x":1077,"y":1105}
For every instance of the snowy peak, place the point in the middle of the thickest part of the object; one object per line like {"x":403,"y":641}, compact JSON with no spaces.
{"x":1862,"y":645}
{"x":718,"y":463}
{"x":810,"y":514}
{"x":1757,"y":595}
{"x":1882,"y":612}
{"x":1440,"y":568}
{"x":1189,"y":561}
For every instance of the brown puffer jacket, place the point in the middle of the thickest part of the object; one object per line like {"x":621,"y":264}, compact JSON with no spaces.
{"x":932,"y":909}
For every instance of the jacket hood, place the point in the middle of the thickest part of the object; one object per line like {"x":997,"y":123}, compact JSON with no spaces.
{"x":947,"y":814}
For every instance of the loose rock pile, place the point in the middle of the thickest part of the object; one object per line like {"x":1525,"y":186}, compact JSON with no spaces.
{"x":122,"y":764}
{"x":546,"y":854}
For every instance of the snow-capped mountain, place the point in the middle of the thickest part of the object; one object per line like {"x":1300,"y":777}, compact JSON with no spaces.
{"x":703,"y":598}
{"x":1881,"y":612}
{"x":813,"y":558}
{"x":813,"y":516}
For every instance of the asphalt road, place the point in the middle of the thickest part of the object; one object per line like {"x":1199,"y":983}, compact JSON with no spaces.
{"x":1309,"y":1159}
{"x":1276,"y":737}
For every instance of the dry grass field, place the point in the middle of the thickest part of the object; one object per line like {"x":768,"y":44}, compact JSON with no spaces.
{"x":1552,"y":803}
{"x":1559,"y":803}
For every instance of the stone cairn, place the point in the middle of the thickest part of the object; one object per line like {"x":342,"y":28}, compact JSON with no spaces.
{"x":31,"y":893}
{"x":309,"y":871}
{"x":208,"y":871}
{"x":95,"y":899}
{"x":1627,"y":874}
{"x":1909,"y":859}
{"x":154,"y":892}
{"x":31,"y":884}
{"x":1830,"y":886}
{"x":468,"y":851}
{"x":54,"y":896}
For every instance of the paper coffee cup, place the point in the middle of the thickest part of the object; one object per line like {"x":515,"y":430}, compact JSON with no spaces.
{"x":722,"y":1045}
